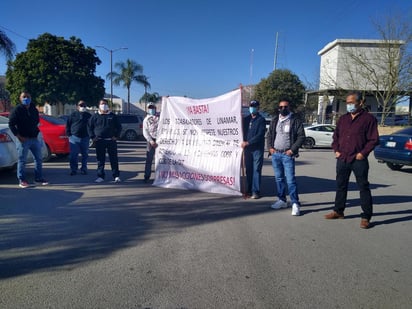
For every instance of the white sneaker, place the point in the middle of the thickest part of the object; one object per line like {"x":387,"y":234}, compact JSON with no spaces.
{"x":279,"y":204}
{"x":295,"y":210}
{"x":117,"y":179}
{"x":99,"y":179}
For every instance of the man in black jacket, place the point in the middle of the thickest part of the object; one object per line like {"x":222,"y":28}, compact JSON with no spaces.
{"x":23,"y":122}
{"x":76,"y":130}
{"x":104,"y":129}
{"x":254,"y":126}
{"x":285,"y":136}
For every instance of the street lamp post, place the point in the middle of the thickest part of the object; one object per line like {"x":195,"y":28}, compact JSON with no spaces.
{"x":111,"y":51}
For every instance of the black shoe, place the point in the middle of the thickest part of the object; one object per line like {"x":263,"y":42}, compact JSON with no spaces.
{"x":41,"y":181}
{"x":83,"y":172}
{"x":72,"y":173}
{"x":255,"y":196}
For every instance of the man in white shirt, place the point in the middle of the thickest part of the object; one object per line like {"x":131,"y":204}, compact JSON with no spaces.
{"x":150,"y":124}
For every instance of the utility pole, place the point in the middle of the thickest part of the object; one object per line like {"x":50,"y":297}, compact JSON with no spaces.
{"x":276,"y":52}
{"x":251,"y":74}
{"x":111,"y":51}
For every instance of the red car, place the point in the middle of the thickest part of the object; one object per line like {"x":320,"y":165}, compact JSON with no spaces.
{"x":54,"y":135}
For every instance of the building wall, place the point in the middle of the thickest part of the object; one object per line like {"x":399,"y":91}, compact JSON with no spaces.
{"x":340,"y":70}
{"x":340,"y":60}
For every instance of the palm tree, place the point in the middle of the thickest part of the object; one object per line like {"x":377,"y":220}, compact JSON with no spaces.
{"x":150,"y":97}
{"x":129,"y":72}
{"x":7,"y":47}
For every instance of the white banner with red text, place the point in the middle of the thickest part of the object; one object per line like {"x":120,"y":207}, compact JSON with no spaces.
{"x":199,"y":144}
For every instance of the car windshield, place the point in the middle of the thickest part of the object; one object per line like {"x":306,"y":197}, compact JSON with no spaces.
{"x":53,"y":120}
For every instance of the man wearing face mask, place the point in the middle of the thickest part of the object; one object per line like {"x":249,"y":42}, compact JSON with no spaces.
{"x":150,"y":124}
{"x":253,"y":145}
{"x":104,"y":129}
{"x":355,"y":136}
{"x":76,"y":130}
{"x":23,"y":122}
{"x":285,"y":136}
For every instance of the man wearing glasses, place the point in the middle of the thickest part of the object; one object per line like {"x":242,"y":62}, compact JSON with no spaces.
{"x":285,"y":136}
{"x":76,"y":130}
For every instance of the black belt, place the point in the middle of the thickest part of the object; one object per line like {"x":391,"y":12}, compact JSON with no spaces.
{"x":281,"y":150}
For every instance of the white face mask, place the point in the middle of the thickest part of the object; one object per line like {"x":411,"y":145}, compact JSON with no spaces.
{"x":82,"y":109}
{"x":104,"y":107}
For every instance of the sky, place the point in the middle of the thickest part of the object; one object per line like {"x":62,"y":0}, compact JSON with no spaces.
{"x":200,"y":48}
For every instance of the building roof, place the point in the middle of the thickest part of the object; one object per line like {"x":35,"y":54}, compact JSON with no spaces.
{"x":356,"y":42}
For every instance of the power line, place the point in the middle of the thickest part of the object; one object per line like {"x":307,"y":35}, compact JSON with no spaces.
{"x":15,"y":33}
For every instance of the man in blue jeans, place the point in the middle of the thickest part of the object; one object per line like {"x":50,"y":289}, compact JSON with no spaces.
{"x":285,"y":136}
{"x":76,"y":130}
{"x":23,"y":122}
{"x":355,"y":136}
{"x":254,"y":126}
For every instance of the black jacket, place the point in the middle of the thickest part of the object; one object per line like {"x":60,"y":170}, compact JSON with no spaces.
{"x":254,"y":132}
{"x":77,"y":124}
{"x":24,"y":121}
{"x":297,"y":133}
{"x":104,"y":126}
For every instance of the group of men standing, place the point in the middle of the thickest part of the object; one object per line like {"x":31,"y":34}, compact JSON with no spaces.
{"x":101,"y":129}
{"x":354,"y":138}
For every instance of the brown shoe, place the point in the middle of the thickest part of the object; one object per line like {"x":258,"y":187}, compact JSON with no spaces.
{"x":364,"y":224}
{"x":334,"y":215}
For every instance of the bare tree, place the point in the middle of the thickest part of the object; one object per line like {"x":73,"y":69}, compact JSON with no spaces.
{"x":384,"y":71}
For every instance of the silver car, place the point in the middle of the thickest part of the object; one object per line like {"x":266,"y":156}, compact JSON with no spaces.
{"x":132,"y":126}
{"x":8,"y":151}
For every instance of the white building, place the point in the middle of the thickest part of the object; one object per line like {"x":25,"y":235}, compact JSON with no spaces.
{"x":340,"y":71}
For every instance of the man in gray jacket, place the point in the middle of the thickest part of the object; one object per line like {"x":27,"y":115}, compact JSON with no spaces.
{"x":285,"y":136}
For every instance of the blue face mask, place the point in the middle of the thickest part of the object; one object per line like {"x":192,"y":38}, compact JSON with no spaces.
{"x":350,"y":108}
{"x":253,"y":110}
{"x":152,"y":111}
{"x":26,"y":101}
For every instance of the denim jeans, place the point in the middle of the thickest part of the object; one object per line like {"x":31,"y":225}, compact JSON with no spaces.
{"x":253,"y":164}
{"x":111,"y":146}
{"x":150,"y":153}
{"x":78,"y":145}
{"x":34,"y":145}
{"x":284,"y":168}
{"x":343,"y":171}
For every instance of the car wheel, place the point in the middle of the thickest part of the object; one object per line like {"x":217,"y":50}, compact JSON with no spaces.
{"x":309,"y":143}
{"x":130,"y":135}
{"x":394,"y":167}
{"x":49,"y":154}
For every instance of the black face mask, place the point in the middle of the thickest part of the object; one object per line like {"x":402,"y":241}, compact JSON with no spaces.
{"x":284,"y":111}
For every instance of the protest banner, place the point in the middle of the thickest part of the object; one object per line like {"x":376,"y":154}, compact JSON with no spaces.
{"x":199,"y":144}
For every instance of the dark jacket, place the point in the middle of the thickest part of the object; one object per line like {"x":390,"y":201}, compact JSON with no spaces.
{"x":297,"y":133}
{"x":104,"y":126}
{"x":254,"y":132}
{"x":352,"y":136}
{"x":77,"y":124}
{"x":24,"y":121}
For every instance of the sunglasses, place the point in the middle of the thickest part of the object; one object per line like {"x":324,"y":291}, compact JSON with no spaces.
{"x":282,"y":107}
{"x":82,"y":105}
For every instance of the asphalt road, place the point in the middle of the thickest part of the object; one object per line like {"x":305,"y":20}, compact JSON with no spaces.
{"x":77,"y":244}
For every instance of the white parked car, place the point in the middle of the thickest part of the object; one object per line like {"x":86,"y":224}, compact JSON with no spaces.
{"x":8,"y":152}
{"x":318,"y":135}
